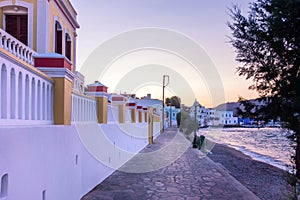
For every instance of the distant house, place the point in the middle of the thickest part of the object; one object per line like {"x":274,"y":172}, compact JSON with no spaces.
{"x":172,"y":112}
{"x":212,"y":117}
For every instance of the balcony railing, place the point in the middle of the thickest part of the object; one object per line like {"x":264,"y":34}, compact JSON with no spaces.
{"x":16,"y":47}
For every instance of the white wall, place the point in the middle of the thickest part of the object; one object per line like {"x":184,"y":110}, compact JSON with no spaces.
{"x":53,"y":158}
{"x":26,"y":96}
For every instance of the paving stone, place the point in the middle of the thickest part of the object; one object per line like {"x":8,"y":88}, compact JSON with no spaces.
{"x":188,"y":177}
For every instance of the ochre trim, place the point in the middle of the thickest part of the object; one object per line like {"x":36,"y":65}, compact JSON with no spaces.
{"x":102,"y":109}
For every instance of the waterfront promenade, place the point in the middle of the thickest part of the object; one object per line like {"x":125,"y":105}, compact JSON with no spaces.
{"x":188,"y":177}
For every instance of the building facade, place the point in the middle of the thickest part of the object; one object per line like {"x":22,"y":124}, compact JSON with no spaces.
{"x":46,"y":112}
{"x":212,"y":117}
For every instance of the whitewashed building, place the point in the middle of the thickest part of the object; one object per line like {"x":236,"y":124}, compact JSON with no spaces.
{"x":212,"y":117}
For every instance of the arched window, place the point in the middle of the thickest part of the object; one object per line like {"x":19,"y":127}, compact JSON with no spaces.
{"x":26,"y":97}
{"x":48,"y":103}
{"x":3,"y":92}
{"x":43,"y":102}
{"x":44,"y":195}
{"x":68,"y":46}
{"x":12,"y":94}
{"x":4,"y":186}
{"x":20,"y":96}
{"x":51,"y":103}
{"x":38,"y":100}
{"x":33,"y":99}
{"x":58,"y":38}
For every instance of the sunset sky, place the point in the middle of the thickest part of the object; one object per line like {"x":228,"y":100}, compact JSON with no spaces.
{"x":203,"y":21}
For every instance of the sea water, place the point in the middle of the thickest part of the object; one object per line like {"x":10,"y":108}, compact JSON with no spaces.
{"x":269,"y":145}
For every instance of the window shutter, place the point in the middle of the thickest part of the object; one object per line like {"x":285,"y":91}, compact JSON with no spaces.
{"x":17,"y":26}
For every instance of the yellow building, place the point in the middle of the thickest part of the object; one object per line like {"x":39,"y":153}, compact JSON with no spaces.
{"x":46,"y":26}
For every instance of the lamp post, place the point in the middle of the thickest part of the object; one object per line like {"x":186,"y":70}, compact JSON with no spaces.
{"x":165,"y":83}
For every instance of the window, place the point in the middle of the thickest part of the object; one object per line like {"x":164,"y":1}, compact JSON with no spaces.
{"x":20,"y":93}
{"x":27,"y":97}
{"x":3,"y":92}
{"x":4,"y":186}
{"x":68,"y":46}
{"x":33,"y":99}
{"x":44,"y":195}
{"x":58,"y":38}
{"x":17,"y":26}
{"x":76,"y":159}
{"x":12,"y":94}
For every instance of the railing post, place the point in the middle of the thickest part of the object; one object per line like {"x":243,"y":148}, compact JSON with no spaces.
{"x":1,"y":40}
{"x":5,"y":42}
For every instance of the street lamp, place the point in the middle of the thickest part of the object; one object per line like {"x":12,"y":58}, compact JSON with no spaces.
{"x":165,"y":83}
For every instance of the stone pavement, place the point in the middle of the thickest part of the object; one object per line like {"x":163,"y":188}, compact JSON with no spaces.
{"x":188,"y":177}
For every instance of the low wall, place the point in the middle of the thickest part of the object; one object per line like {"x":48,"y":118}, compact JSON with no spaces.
{"x":55,"y":162}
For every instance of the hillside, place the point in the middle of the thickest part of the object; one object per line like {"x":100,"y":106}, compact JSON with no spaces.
{"x":233,"y":105}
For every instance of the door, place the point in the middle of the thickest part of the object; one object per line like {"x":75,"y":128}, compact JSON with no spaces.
{"x":17,"y":26}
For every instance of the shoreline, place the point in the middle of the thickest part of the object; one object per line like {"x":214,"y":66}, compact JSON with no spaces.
{"x":260,"y":157}
{"x":263,"y":179}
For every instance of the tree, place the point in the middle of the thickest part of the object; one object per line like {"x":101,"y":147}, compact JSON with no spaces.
{"x":251,"y":109}
{"x":247,"y":109}
{"x":187,"y":124}
{"x":267,"y":44}
{"x":175,"y":101}
{"x":168,"y":101}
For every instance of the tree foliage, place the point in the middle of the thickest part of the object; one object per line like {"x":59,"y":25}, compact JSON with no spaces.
{"x":187,"y":124}
{"x":253,"y":109}
{"x":247,"y":109}
{"x":174,"y":101}
{"x":267,"y":44}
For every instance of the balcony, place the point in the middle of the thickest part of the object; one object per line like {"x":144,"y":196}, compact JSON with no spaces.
{"x":15,"y":47}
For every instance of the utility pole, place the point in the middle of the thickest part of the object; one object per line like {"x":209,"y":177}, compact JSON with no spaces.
{"x":165,"y":83}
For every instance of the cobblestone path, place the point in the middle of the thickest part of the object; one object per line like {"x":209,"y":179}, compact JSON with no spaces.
{"x":188,"y":177}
